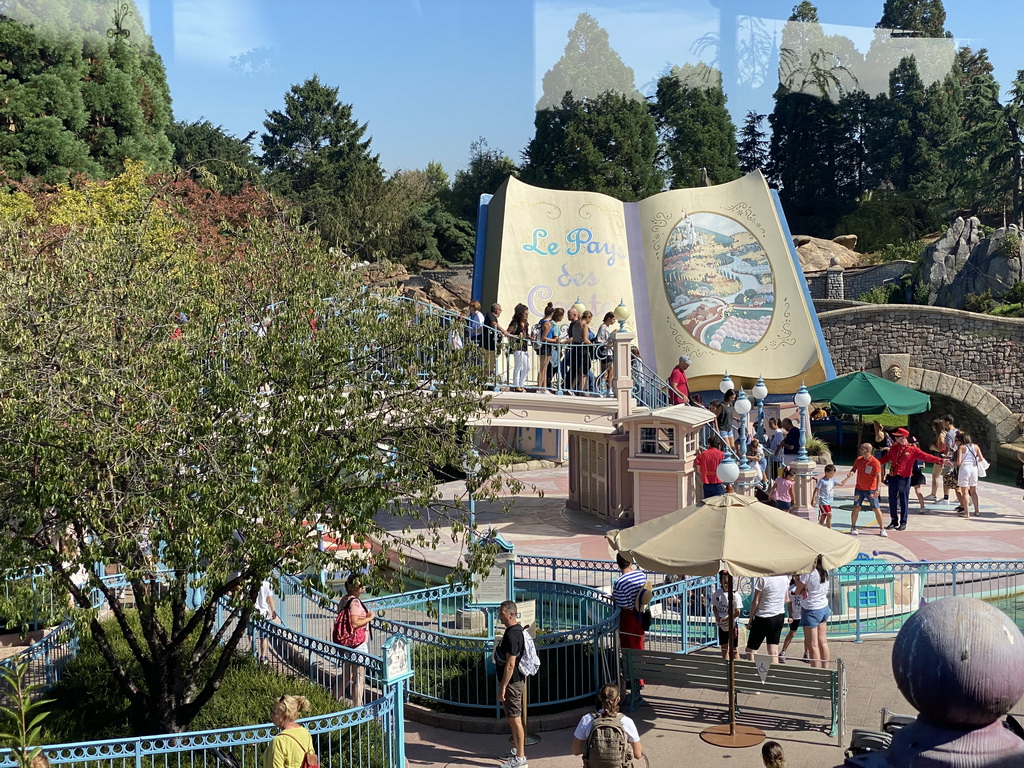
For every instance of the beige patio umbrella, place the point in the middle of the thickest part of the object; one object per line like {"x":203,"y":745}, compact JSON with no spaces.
{"x":744,"y":537}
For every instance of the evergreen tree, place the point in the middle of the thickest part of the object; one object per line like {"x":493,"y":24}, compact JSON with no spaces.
{"x":608,"y":144}
{"x":208,"y":153}
{"x":695,"y":128}
{"x":317,"y":156}
{"x":589,"y":67}
{"x":1009,"y":164}
{"x":752,"y":151}
{"x":84,"y":90}
{"x":487,"y":169}
{"x":914,"y":18}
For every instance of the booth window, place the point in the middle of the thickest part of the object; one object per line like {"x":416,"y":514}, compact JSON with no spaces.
{"x":657,"y":441}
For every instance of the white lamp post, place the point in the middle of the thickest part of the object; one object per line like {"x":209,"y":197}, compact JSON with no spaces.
{"x":725,"y":384}
{"x":621,"y":313}
{"x":802,"y":400}
{"x":728,"y":469}
{"x":743,"y":408}
{"x":760,"y":392}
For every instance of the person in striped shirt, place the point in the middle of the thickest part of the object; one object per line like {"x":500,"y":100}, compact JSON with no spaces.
{"x":624,"y":594}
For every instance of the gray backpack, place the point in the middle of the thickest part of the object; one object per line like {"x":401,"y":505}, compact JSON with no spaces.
{"x":607,"y":745}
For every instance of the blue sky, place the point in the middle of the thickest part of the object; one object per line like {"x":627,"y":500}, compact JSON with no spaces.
{"x":431,"y":76}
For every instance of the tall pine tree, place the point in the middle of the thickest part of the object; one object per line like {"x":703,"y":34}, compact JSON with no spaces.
{"x":695,"y":128}
{"x":608,"y":144}
{"x":752,"y":148}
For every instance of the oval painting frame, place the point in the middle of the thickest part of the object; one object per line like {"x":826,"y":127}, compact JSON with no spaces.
{"x":719,"y":282}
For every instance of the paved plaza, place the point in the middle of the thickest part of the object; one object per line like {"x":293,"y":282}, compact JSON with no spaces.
{"x":671,"y":721}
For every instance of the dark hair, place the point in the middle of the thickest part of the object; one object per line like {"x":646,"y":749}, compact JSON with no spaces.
{"x":788,"y":471}
{"x":830,"y":467}
{"x":558,"y":314}
{"x":609,"y":316}
{"x":696,"y":399}
{"x":729,"y":393}
{"x":822,"y":573}
{"x":609,"y":698}
{"x":549,"y":309}
{"x":353,"y":581}
{"x":772,"y":755}
{"x":964,"y":437}
{"x":715,"y":442}
{"x":622,"y":561}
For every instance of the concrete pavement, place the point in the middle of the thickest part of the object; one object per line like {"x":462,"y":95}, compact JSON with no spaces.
{"x":671,"y":723}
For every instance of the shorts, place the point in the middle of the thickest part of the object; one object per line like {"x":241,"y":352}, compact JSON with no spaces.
{"x":871,"y":497}
{"x":794,"y":624}
{"x":785,"y":506}
{"x":812,"y":618}
{"x":765,"y":629}
{"x":917,"y":478}
{"x":713,"y":489}
{"x":727,"y":433}
{"x":723,"y":637}
{"x":967,"y":476}
{"x":824,"y":509}
{"x":513,"y":704}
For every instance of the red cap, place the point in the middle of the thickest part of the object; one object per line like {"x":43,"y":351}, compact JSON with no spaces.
{"x":901,"y":432}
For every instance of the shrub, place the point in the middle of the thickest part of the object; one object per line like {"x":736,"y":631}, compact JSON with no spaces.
{"x":816,"y":447}
{"x":877,"y":295}
{"x":1016,"y":293}
{"x":901,"y":250}
{"x":980,"y":303}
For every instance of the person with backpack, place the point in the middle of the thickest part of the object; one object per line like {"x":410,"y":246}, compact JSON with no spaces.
{"x":293,"y":746}
{"x":607,"y":738}
{"x":511,"y":680}
{"x":352,"y":630}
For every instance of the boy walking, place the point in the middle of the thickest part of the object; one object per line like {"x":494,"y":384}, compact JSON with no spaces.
{"x":868,"y":470}
{"x":823,"y":494}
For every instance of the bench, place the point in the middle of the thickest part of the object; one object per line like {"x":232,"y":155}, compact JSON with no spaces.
{"x":689,"y":670}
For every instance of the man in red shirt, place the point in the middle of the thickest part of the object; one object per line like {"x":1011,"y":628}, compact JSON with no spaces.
{"x":901,"y":458}
{"x":707,"y":462}
{"x":678,"y":386}
{"x":869,"y":471}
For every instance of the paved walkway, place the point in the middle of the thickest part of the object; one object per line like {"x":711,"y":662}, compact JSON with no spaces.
{"x":670,"y":725}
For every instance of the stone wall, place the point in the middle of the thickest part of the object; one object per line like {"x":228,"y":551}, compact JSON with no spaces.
{"x":858,"y":280}
{"x":971,"y":364}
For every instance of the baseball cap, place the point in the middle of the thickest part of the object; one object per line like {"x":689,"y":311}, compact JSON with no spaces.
{"x":684,"y":359}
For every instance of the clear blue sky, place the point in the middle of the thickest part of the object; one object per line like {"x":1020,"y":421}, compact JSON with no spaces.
{"x":430,"y":76}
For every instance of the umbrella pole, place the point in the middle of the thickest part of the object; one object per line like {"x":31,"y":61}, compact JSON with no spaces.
{"x":732,"y":735}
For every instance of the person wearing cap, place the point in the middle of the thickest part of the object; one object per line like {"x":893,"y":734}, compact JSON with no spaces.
{"x":678,"y":386}
{"x":901,"y":457}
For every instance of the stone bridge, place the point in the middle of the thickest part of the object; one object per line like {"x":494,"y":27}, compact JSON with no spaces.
{"x":972,"y":365}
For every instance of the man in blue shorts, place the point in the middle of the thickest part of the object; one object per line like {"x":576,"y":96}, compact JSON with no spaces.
{"x":868,"y":470}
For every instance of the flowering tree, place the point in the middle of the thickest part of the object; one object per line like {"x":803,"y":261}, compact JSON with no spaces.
{"x":193,"y":420}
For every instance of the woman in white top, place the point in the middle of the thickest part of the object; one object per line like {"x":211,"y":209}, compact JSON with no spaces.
{"x":814,"y":613}
{"x":767,"y":614}
{"x":968,"y":456}
{"x":609,"y":697}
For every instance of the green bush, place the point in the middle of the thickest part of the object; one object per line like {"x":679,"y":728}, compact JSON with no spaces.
{"x":1016,"y":293}
{"x":31,"y":602}
{"x":816,"y":447}
{"x":980,"y":303}
{"x":878,"y":295}
{"x":888,"y":219}
{"x":901,"y":250}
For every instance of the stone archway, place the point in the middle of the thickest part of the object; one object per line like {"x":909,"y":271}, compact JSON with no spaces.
{"x":974,"y":408}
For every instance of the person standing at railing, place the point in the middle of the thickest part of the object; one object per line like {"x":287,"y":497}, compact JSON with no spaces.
{"x":625,"y":591}
{"x":576,"y":369}
{"x":720,"y":608}
{"x":776,"y":434}
{"x":356,"y":635}
{"x":289,"y":748}
{"x":512,"y":682}
{"x":519,"y":342}
{"x":475,"y":323}
{"x":678,"y":386}
{"x":706,"y":464}
{"x":727,"y":419}
{"x":546,"y":332}
{"x":603,"y":349}
{"x":267,"y":610}
{"x":492,"y":333}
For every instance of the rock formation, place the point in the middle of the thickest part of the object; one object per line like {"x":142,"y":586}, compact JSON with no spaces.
{"x":816,"y":253}
{"x":963,"y":262}
{"x":946,"y":257}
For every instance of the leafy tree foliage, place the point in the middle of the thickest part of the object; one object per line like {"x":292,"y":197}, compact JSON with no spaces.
{"x":75,"y":99}
{"x":752,"y":149}
{"x":217,"y":444}
{"x":486,"y":171}
{"x":317,"y":156}
{"x":914,"y":18}
{"x":1011,"y":160}
{"x":211,"y":155}
{"x":695,"y":128}
{"x":589,"y":68}
{"x":608,"y":144}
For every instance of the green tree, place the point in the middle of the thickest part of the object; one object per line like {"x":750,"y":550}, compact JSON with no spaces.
{"x":752,"y":148}
{"x":608,"y":144}
{"x":914,"y":18}
{"x":589,"y":68}
{"x":1010,"y":162}
{"x":486,"y":171}
{"x":77,"y":99}
{"x":695,"y":128}
{"x":221,"y":442}
{"x":319,"y":157}
{"x":211,"y":155}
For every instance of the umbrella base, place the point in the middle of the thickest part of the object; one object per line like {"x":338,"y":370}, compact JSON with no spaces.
{"x":745,"y":736}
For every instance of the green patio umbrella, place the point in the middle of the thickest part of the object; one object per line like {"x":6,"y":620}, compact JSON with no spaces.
{"x":864,"y":393}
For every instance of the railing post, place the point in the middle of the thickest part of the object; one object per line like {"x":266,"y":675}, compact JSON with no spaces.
{"x":952,"y":572}
{"x":857,"y":638}
{"x":623,"y":361}
{"x":302,"y":616}
{"x":138,"y":753}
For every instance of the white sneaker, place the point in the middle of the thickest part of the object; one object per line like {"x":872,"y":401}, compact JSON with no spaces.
{"x":930,"y":497}
{"x":854,"y":532}
{"x":515,"y":762}
{"x":883,"y":533}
